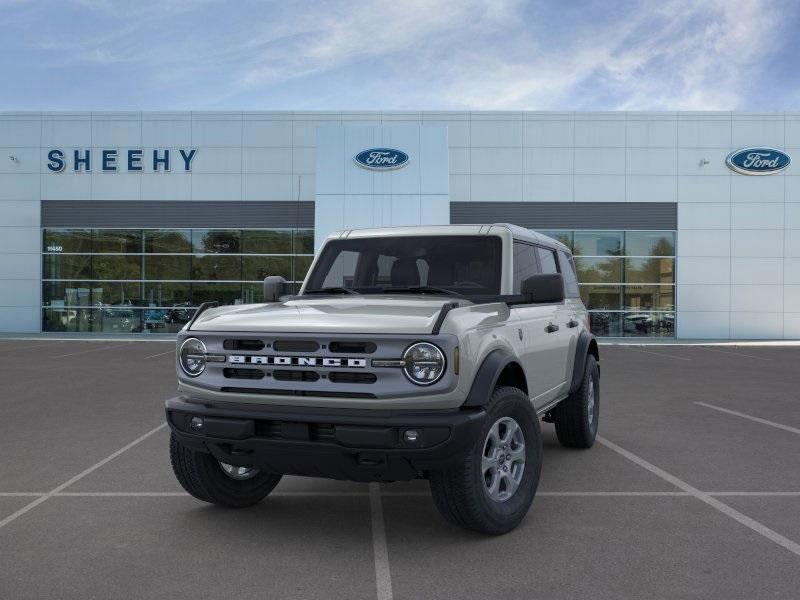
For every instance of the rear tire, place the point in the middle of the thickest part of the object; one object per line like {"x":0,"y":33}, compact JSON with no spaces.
{"x":203,"y":477}
{"x":464,"y":493}
{"x":576,"y":418}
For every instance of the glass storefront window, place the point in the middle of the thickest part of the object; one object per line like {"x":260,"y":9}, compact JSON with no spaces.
{"x":649,"y":270}
{"x":267,"y":241}
{"x":599,"y":270}
{"x":304,"y":241}
{"x":602,"y":297}
{"x":117,"y":266}
{"x":227,"y":241}
{"x":256,"y":268}
{"x":627,"y":280}
{"x":124,"y":241}
{"x":222,"y":292}
{"x":650,"y":243}
{"x":159,"y":241}
{"x":598,"y":243}
{"x":152,"y":280}
{"x":67,"y":266}
{"x":67,"y":240}
{"x":648,"y":324}
{"x":649,"y":297}
{"x":164,"y":266}
{"x":606,"y":324}
{"x":217,"y":268}
{"x":167,"y":294}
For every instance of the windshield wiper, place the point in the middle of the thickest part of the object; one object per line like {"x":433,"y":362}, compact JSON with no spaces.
{"x":331,"y":290}
{"x":419,"y":289}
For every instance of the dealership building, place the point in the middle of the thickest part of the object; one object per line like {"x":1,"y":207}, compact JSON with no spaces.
{"x":683,"y":224}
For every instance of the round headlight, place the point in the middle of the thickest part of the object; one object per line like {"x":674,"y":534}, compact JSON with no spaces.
{"x":424,"y":363}
{"x":192,"y":357}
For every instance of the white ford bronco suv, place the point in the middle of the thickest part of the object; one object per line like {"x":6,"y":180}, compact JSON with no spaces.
{"x":409,"y":352}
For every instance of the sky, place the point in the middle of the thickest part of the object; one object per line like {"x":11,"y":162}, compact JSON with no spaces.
{"x":400,"y":55}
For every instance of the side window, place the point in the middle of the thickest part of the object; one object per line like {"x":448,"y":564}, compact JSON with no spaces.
{"x":525,"y":264}
{"x":547,"y":258}
{"x":568,"y":270}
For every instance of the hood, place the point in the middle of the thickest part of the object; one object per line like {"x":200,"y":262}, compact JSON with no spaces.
{"x":348,"y":314}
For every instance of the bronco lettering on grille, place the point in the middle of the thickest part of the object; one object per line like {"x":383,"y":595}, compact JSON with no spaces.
{"x":298,"y":361}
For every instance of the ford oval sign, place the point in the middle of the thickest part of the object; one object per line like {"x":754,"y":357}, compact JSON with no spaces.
{"x":758,"y":161}
{"x":381,"y":159}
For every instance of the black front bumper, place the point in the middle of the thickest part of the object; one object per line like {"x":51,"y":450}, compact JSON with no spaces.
{"x":336,"y":443}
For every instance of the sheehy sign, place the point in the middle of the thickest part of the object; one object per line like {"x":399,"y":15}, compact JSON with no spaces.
{"x":111,"y":161}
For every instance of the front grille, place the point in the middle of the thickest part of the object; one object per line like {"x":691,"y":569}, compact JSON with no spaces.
{"x":351,"y":377}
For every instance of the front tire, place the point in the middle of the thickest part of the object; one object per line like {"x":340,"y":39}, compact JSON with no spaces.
{"x":209,"y":480}
{"x":576,"y":418}
{"x":491,"y":489}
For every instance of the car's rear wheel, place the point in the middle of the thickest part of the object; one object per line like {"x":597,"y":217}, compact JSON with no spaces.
{"x":210,"y":480}
{"x":576,"y":418}
{"x":491,"y":489}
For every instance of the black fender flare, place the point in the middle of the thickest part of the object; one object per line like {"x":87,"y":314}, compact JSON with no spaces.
{"x":487,"y":375}
{"x":582,"y":350}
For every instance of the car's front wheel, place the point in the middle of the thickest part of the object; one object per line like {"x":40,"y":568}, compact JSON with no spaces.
{"x":491,"y":489}
{"x":210,"y":480}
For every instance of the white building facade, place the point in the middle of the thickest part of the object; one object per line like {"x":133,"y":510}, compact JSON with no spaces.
{"x":125,"y":222}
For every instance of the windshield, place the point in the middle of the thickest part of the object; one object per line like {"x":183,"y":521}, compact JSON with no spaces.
{"x":457,"y":264}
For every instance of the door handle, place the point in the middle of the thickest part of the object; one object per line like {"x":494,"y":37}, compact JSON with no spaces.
{"x":551,"y":328}
{"x":572,"y":323}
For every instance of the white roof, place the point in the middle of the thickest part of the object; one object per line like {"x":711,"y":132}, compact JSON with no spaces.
{"x":519,"y":233}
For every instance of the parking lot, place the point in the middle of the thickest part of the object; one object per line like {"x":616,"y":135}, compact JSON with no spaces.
{"x":693,"y":491}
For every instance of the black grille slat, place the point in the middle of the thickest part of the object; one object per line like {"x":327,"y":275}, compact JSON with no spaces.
{"x":232,"y":373}
{"x":352,"y":377}
{"x":283,"y":375}
{"x":295,"y":346}
{"x":353,"y":347}
{"x":246,"y":345}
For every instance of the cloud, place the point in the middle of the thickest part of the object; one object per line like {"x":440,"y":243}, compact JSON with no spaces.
{"x":449,"y":54}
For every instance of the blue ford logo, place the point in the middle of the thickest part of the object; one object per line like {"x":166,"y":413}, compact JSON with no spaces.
{"x":758,"y":161}
{"x":381,"y":159}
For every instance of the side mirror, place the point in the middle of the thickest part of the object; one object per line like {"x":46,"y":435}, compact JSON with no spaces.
{"x":274,"y":288}
{"x":544,"y":288}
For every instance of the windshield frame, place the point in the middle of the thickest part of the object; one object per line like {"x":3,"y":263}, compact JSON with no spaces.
{"x":315,"y":279}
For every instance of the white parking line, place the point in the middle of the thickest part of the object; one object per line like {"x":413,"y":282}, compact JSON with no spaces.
{"x":751,"y":418}
{"x":398,"y":494}
{"x":734,"y":514}
{"x":160,"y":354}
{"x":657,"y":353}
{"x":87,"y":351}
{"x":742,"y":354}
{"x":81,"y":475}
{"x":383,"y":576}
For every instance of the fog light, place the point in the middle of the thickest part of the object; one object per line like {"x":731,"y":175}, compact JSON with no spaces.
{"x":411,"y":436}
{"x":196,"y":423}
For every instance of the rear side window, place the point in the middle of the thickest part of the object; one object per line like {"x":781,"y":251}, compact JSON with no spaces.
{"x":547,"y":260}
{"x":525,"y":264}
{"x":568,"y":271}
